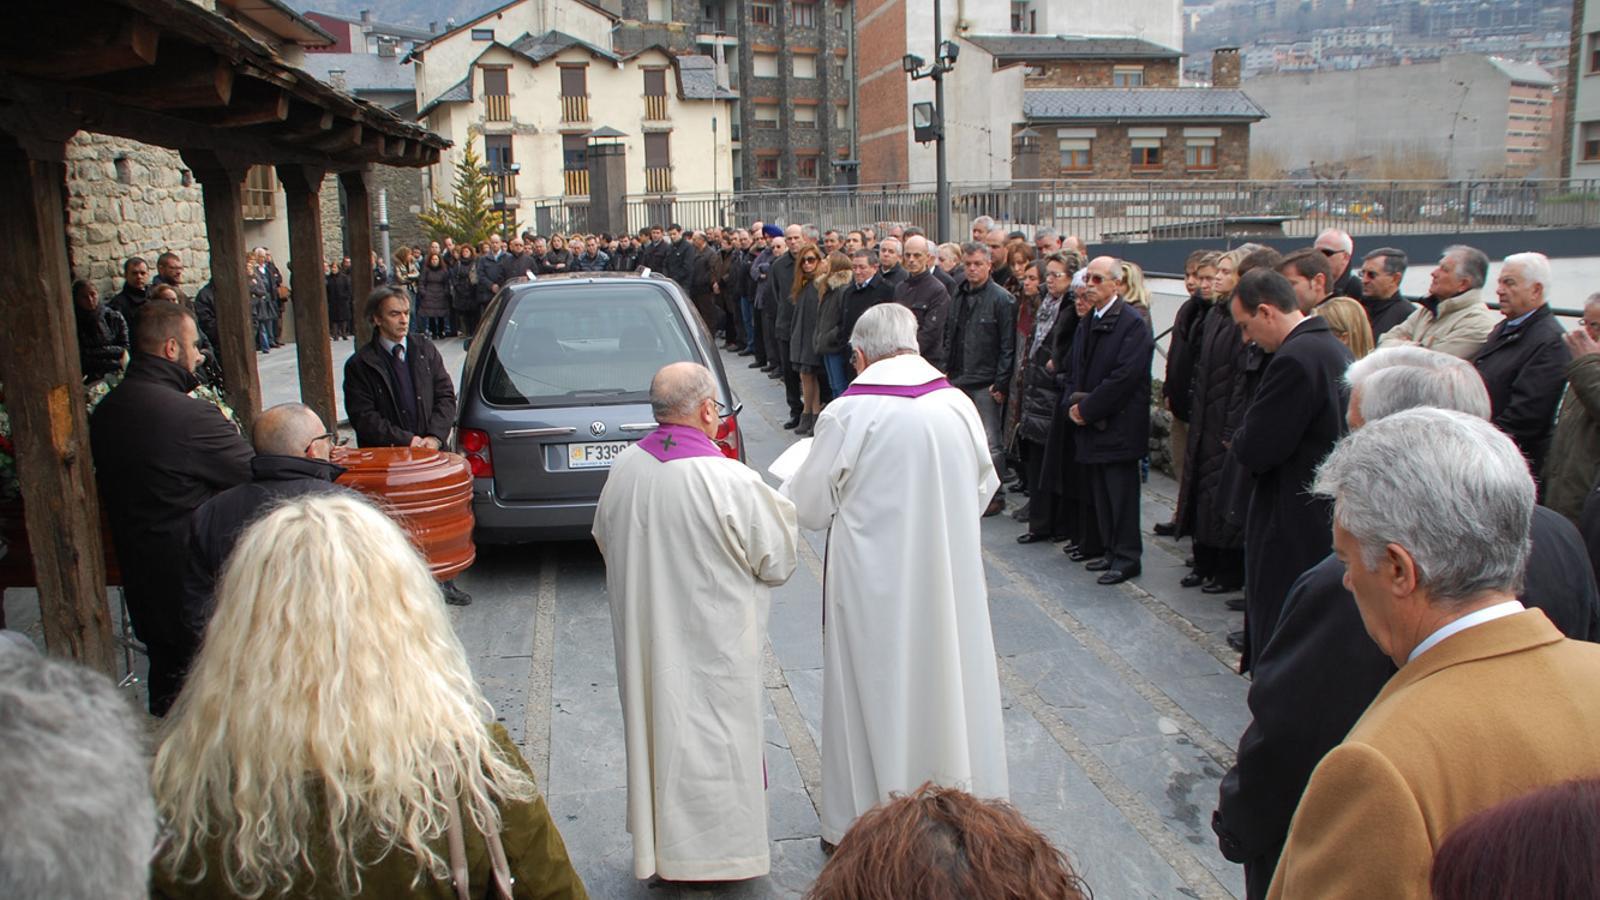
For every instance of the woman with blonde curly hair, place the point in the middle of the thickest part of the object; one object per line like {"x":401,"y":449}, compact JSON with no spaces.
{"x":331,"y":740}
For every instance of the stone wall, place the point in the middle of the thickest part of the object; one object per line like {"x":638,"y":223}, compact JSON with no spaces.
{"x":127,"y":199}
{"x":1112,"y":154}
{"x":1075,"y":73}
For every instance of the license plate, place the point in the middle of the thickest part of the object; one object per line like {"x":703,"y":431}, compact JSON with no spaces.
{"x":595,"y":455}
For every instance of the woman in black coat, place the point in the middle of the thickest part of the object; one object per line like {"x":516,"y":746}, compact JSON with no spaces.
{"x":1040,"y":396}
{"x":1074,"y":498}
{"x":433,"y":296}
{"x":464,"y":292}
{"x":1206,"y":498}
{"x":340,"y":301}
{"x":557,"y":259}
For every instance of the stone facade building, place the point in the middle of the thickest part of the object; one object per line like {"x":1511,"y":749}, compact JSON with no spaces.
{"x":128,"y":199}
{"x":792,"y":62}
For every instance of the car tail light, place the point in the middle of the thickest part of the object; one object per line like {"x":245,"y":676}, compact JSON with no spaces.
{"x":728,"y":437}
{"x":475,"y":447}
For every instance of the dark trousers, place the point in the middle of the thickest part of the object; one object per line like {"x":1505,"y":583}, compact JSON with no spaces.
{"x":1116,"y":503}
{"x":747,"y":321}
{"x":1224,"y":565}
{"x":769,"y":333}
{"x":1258,"y":874}
{"x":169,"y":663}
{"x":791,"y":380}
{"x":1045,"y":510}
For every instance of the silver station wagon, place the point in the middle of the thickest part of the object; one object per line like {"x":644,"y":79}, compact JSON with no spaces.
{"x":557,"y":384}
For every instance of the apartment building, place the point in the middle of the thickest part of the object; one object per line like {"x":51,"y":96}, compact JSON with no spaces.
{"x":792,"y":64}
{"x":531,"y":81}
{"x":1583,"y":88}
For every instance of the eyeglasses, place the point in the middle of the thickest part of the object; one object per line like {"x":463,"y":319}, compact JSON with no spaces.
{"x":329,"y":436}
{"x":1096,"y":278}
{"x":1056,"y":275}
{"x":1369,"y":274}
{"x":810,"y":261}
{"x":724,"y":411}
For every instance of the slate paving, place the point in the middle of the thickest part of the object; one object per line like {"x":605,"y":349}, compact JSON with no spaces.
{"x":1122,"y":704}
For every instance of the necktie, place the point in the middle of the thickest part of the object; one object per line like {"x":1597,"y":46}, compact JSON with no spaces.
{"x":405,"y":388}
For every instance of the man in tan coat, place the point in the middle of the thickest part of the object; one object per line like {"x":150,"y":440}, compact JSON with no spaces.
{"x":1453,"y":318}
{"x":1432,"y":511}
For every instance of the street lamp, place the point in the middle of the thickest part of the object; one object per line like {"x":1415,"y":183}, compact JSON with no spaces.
{"x":927,"y":119}
{"x":498,"y":170}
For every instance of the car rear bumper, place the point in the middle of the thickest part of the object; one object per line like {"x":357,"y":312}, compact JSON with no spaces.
{"x":518,"y":521}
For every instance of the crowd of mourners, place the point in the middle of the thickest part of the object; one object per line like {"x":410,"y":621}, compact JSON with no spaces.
{"x":1399,"y":494}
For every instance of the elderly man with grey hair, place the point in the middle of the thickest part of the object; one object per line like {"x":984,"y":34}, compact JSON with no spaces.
{"x":1453,"y":318}
{"x":693,"y":541}
{"x":1432,"y":512}
{"x":897,"y":475}
{"x":1320,"y":671}
{"x":75,"y":804}
{"x":1339,"y":249}
{"x":1573,"y":466}
{"x":1524,"y":361}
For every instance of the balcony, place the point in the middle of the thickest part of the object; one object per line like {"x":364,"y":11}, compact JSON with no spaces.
{"x":655,"y":107}
{"x":575,"y":182}
{"x":497,"y":107}
{"x":658,"y":179}
{"x":575,"y":108}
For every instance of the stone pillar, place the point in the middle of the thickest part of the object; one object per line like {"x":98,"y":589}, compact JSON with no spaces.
{"x":358,"y":225}
{"x":222,"y":180}
{"x":302,"y":188}
{"x":608,"y":186}
{"x":1025,"y":155}
{"x":1225,"y":67}
{"x":44,"y":387}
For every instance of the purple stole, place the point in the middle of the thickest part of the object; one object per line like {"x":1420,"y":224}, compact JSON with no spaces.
{"x":672,"y":442}
{"x":911,"y":391}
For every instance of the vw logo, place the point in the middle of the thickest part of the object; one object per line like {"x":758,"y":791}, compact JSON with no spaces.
{"x":597,"y":428}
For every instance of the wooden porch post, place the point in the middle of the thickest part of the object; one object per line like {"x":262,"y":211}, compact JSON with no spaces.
{"x":358,"y":214}
{"x":302,"y":187}
{"x":45,"y":397}
{"x":222,"y":179}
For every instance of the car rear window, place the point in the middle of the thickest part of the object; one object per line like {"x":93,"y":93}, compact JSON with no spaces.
{"x":583,"y":344}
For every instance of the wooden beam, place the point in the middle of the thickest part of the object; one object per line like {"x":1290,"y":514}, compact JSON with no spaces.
{"x":345,"y":138}
{"x":305,"y":121}
{"x":50,"y":424}
{"x":308,"y":286}
{"x":131,"y":46}
{"x":180,"y":84}
{"x":261,"y":110}
{"x":222,"y":180}
{"x":358,"y":227}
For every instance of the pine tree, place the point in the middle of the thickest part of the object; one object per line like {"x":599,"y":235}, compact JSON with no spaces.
{"x":471,"y":217}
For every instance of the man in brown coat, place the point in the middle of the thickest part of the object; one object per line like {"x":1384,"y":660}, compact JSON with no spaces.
{"x":1431,"y":519}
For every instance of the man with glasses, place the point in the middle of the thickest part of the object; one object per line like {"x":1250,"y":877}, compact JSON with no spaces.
{"x":292,"y":449}
{"x":1381,"y":271}
{"x":158,"y":455}
{"x":1338,"y":248}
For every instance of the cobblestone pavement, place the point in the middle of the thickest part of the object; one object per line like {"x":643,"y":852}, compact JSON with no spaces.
{"x":1121,"y":704}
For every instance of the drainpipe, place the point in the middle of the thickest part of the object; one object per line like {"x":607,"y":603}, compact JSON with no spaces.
{"x":383,"y":225}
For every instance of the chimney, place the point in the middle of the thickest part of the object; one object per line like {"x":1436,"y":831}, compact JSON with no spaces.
{"x":433,"y":27}
{"x":1225,"y":67}
{"x":386,"y":49}
{"x":336,"y":79}
{"x":366,"y":17}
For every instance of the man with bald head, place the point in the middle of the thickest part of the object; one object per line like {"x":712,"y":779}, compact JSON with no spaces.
{"x":693,"y":542}
{"x":927,"y":298}
{"x":292,"y":448}
{"x":1337,"y":247}
{"x":159,"y":454}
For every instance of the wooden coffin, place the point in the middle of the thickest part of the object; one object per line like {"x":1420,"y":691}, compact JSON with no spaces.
{"x":429,"y":492}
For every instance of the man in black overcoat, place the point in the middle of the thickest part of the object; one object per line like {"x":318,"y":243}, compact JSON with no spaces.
{"x":1524,"y":361}
{"x":159,"y":454}
{"x":397,"y":391}
{"x":1320,"y":671}
{"x":1294,"y":420}
{"x":1109,"y":398}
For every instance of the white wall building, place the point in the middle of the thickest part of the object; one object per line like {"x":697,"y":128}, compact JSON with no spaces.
{"x":1585,"y":77}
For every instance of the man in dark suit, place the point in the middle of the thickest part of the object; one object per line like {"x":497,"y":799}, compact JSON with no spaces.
{"x":1320,"y":671}
{"x":868,"y":287}
{"x":1109,"y":399}
{"x":492,"y":271}
{"x":1294,"y":420}
{"x":1381,"y":271}
{"x":679,"y":261}
{"x":653,"y":255}
{"x":159,"y":454}
{"x":397,"y":391}
{"x":1524,"y":362}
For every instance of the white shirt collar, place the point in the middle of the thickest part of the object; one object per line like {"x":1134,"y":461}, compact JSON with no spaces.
{"x":1487,"y":614}
{"x":388,"y":345}
{"x":1102,"y":310}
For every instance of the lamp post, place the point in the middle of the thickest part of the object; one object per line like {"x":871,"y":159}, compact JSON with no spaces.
{"x":927,"y":119}
{"x":498,"y":170}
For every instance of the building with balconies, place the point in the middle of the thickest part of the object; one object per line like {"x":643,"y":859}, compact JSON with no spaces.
{"x":530,"y":82}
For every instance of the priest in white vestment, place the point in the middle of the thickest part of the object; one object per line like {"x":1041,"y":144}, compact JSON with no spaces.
{"x":900,"y":473}
{"x":692,"y":541}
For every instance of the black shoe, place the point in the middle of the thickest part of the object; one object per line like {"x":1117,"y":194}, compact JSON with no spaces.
{"x":1188,"y":561}
{"x":1217,"y":587}
{"x":1060,"y":539}
{"x":757,"y":365}
{"x":1236,"y":641}
{"x":769,"y":367}
{"x":1166,"y":529}
{"x":1193,"y":579}
{"x":1236,"y":604}
{"x":455,"y":596}
{"x":807,"y":427}
{"x":1098,"y":565}
{"x":774,"y":374}
{"x":792,"y":424}
{"x":1017,"y":487}
{"x":996,"y":506}
{"x":1118,"y":576}
{"x":745,"y":353}
{"x":827,"y":848}
{"x":1074,"y":554}
{"x":1029,"y":537}
{"x":1021,"y":512}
